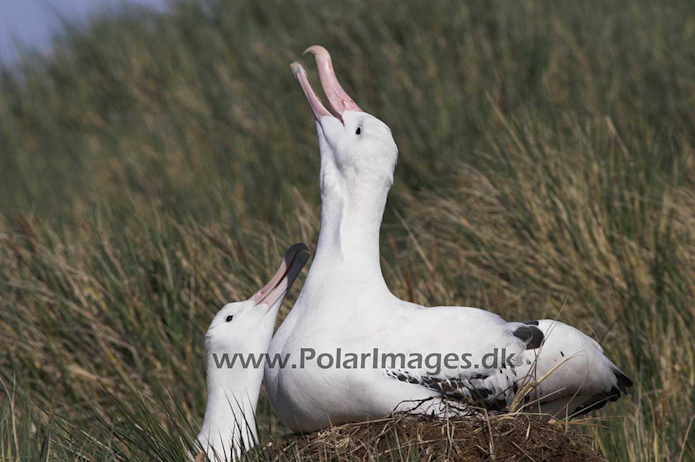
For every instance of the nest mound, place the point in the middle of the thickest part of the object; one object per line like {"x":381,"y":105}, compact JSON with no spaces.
{"x":495,"y":437}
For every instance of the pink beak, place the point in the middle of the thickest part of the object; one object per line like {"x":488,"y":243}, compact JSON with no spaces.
{"x":339,"y":100}
{"x":292,"y":264}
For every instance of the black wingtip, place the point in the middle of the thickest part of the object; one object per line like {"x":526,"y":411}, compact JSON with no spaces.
{"x":624,"y":382}
{"x":597,"y":402}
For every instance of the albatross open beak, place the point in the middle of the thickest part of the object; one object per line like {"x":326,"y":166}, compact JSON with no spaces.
{"x":292,"y":264}
{"x":338,"y":99}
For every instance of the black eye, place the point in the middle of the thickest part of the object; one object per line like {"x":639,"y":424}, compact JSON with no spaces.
{"x":229,"y":318}
{"x":358,"y":131}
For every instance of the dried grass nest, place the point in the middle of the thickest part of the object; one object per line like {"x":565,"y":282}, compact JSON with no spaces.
{"x":501,"y":437}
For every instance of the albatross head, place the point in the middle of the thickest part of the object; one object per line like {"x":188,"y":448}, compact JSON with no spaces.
{"x":355,"y":146}
{"x":248,"y":326}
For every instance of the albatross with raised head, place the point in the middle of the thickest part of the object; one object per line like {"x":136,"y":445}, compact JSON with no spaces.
{"x":345,"y":308}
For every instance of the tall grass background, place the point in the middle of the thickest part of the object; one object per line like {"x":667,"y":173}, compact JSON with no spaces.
{"x":156,"y":165}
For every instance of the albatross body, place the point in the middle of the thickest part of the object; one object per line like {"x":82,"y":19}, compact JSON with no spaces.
{"x":243,"y":329}
{"x":346,"y":308}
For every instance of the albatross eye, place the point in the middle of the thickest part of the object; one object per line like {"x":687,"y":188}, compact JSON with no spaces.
{"x":229,"y":318}
{"x":358,"y":131}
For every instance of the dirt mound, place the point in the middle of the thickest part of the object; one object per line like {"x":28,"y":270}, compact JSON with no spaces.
{"x":501,"y":437}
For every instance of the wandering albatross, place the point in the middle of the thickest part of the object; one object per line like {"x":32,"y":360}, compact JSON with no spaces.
{"x":345,"y":308}
{"x":243,"y":329}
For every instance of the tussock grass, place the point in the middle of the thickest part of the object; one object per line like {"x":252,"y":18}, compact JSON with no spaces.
{"x":157,"y":166}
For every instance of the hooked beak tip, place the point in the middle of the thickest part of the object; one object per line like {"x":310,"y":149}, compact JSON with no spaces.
{"x":318,"y":51}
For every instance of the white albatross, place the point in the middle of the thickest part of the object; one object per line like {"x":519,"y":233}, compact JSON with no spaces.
{"x":243,"y":329}
{"x":346,"y":309}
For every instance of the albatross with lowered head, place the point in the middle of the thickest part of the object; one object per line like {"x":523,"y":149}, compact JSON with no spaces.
{"x":345,"y":308}
{"x":243,"y":329}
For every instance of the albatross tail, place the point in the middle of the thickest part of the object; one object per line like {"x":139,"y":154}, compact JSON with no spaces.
{"x":568,"y":374}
